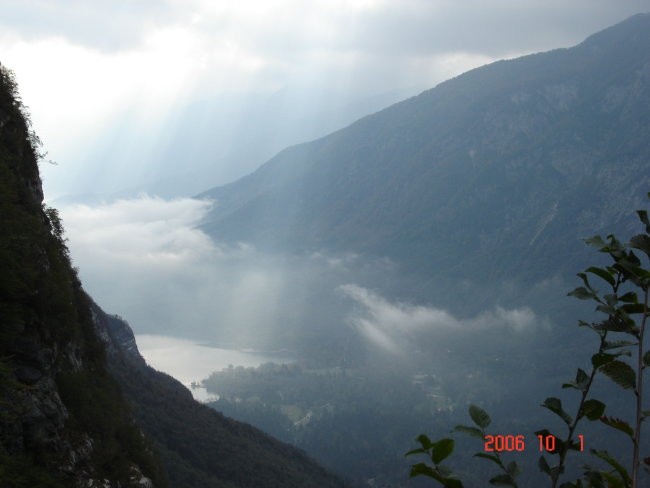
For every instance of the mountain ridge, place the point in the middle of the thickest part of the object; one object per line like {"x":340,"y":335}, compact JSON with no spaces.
{"x":441,"y":178}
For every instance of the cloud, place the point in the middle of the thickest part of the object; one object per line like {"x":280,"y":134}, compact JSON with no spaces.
{"x":146,"y":260}
{"x":147,"y":231}
{"x":122,"y":22}
{"x":393,"y":326}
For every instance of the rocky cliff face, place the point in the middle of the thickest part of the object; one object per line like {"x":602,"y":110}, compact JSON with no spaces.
{"x":63,"y":420}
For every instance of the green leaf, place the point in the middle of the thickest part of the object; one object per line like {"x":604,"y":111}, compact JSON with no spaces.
{"x":620,"y":373}
{"x":596,"y":241}
{"x":451,"y":483}
{"x":593,"y":409}
{"x":633,"y":308}
{"x":441,"y":450}
{"x":479,"y":416}
{"x":582,"y":323}
{"x":646,"y":358}
{"x":616,"y":324}
{"x":472,"y":431}
{"x":593,"y":478}
{"x":424,"y":441}
{"x":582,"y":293}
{"x":555,"y":406}
{"x":441,"y":477}
{"x":543,"y":466}
{"x":602,"y":273}
{"x":580,"y":382}
{"x":421,"y":469}
{"x":419,"y":450}
{"x":489,"y":457}
{"x":581,"y":377}
{"x":643,"y":217}
{"x":572,"y":484}
{"x":609,"y":345}
{"x":503,"y":480}
{"x":604,"y":455}
{"x":642,"y":243}
{"x":632,"y":270}
{"x":601,"y":358}
{"x":513,"y":469}
{"x":606,"y":309}
{"x":618,"y":424}
{"x":574,"y":445}
{"x":629,"y":297}
{"x":614,"y":481}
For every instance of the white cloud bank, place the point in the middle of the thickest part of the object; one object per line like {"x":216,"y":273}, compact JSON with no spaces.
{"x":146,"y":260}
{"x":389,"y":325}
{"x":144,"y":231}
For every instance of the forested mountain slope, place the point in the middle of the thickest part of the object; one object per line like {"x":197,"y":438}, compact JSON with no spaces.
{"x":496,"y":174}
{"x":63,"y":419}
{"x":199,"y":446}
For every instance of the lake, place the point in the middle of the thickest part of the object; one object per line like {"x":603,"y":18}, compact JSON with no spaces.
{"x":190,"y":361}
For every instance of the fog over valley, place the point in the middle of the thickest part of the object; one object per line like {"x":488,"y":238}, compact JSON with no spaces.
{"x":192,"y":287}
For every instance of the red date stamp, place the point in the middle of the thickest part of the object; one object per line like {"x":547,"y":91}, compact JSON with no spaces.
{"x":509,"y":443}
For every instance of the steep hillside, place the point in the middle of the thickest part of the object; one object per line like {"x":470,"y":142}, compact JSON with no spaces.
{"x":78,"y":405}
{"x":199,"y":446}
{"x":63,"y":419}
{"x":494,"y":175}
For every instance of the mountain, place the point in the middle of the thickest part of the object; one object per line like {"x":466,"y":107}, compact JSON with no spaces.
{"x":197,"y":445}
{"x":495,"y":175}
{"x":78,"y":404}
{"x":63,"y":420}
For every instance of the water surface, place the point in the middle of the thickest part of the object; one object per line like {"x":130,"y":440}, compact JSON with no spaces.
{"x":189,"y":361}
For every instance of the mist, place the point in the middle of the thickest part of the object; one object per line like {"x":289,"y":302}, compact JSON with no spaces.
{"x":146,"y":260}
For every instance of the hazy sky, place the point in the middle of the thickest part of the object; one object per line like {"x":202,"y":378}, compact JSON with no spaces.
{"x":80,"y":63}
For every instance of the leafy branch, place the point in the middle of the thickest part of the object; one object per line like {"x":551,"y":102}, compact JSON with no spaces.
{"x":626,"y":308}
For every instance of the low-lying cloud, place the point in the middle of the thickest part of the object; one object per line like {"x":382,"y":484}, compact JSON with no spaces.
{"x":145,"y":230}
{"x":390,"y":325}
{"x":146,"y":260}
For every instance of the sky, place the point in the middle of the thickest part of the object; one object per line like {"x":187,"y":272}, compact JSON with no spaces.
{"x":126,"y":92}
{"x":105,"y":80}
